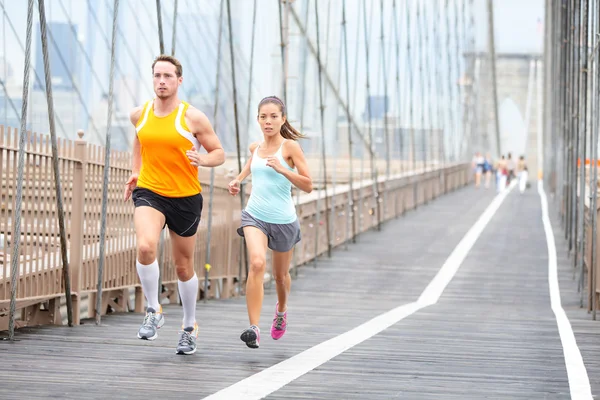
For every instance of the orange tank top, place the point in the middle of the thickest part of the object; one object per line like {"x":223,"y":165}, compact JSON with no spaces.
{"x":166,"y":170}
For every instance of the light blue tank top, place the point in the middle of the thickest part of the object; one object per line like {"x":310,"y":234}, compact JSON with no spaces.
{"x":271,"y":197}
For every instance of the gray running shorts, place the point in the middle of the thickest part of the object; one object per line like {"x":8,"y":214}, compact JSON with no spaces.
{"x":281,"y":237}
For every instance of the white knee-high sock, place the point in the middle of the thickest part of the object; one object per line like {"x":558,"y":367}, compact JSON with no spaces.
{"x":188,"y":291}
{"x":149,"y":278}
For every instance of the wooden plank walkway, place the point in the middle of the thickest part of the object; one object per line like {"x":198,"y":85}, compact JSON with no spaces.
{"x":492,"y":333}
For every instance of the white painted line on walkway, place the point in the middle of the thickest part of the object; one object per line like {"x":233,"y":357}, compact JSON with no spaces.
{"x":436,"y":287}
{"x":274,"y":378}
{"x":579,"y":383}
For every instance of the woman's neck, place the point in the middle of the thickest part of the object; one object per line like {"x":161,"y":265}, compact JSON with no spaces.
{"x":273,"y":141}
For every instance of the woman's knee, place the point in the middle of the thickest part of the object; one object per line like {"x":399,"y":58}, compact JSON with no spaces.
{"x":280,"y":278}
{"x":258,"y":264}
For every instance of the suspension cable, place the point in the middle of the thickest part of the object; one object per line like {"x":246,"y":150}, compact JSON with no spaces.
{"x":19,"y":195}
{"x":399,"y":117}
{"x":385,"y":102}
{"x":235,"y":111}
{"x":282,"y":44}
{"x":594,"y":149}
{"x":411,"y":90}
{"x":350,"y":204}
{"x":573,"y":122}
{"x":370,"y":116}
{"x":439,"y":88}
{"x":421,"y":62}
{"x":160,"y":28}
{"x":429,"y":75}
{"x":106,"y":166}
{"x":59,"y":197}
{"x":458,"y":103}
{"x":173,"y":39}
{"x":302,"y":95}
{"x":582,"y":112}
{"x":207,"y":265}
{"x":360,"y":208}
{"x":248,"y":119}
{"x":323,"y":150}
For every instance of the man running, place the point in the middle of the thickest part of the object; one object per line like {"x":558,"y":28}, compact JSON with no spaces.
{"x":165,"y":190}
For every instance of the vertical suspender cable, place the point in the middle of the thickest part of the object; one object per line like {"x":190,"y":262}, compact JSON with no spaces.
{"x":370,"y":116}
{"x":59,"y":197}
{"x":332,"y":208}
{"x":594,"y":149}
{"x":243,"y":255}
{"x":360,"y":208}
{"x":429,"y":76}
{"x":464,"y":109}
{"x":323,"y":151}
{"x":458,"y":103}
{"x":350,"y":204}
{"x":161,"y":243}
{"x":411,"y":89}
{"x":568,"y":125}
{"x":385,"y":115}
{"x":302,"y":94}
{"x":5,"y":62}
{"x":564,"y":79}
{"x":439,"y":86}
{"x":492,"y":59}
{"x":562,"y":108}
{"x":451,"y":126}
{"x":282,"y":44}
{"x":212,"y":170}
{"x":235,"y":115}
{"x":207,"y":265}
{"x":576,"y":45}
{"x":173,"y":39}
{"x":106,"y":165}
{"x":398,"y":127}
{"x":160,"y":28}
{"x":422,"y":90}
{"x":583,"y":49}
{"x":16,"y":239}
{"x":251,"y":73}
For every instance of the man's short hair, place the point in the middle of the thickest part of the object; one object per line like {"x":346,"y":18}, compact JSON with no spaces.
{"x":172,"y":60}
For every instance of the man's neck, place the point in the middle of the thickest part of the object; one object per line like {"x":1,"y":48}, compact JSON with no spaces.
{"x":165,"y":106}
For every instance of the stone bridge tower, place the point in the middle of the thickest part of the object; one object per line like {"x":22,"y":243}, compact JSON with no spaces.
{"x":519,"y":80}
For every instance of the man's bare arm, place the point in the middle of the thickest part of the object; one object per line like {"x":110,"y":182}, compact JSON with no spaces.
{"x":136,"y":159}
{"x":203,"y":131}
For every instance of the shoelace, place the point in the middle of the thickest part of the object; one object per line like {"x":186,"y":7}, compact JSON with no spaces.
{"x":278,"y":322}
{"x":185,"y":339}
{"x":150,"y":319}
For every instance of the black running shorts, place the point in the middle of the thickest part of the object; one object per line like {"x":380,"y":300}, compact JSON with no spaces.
{"x":182,"y":214}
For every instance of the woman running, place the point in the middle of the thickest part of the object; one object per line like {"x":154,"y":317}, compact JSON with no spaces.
{"x":269,"y":219}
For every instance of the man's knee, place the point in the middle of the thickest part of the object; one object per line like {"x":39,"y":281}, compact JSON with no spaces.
{"x":146,"y":251}
{"x":184,"y":266}
{"x":258,"y":264}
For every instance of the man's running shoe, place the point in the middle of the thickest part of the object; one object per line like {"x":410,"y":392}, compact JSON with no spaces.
{"x":187,"y":340}
{"x":152,"y":323}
